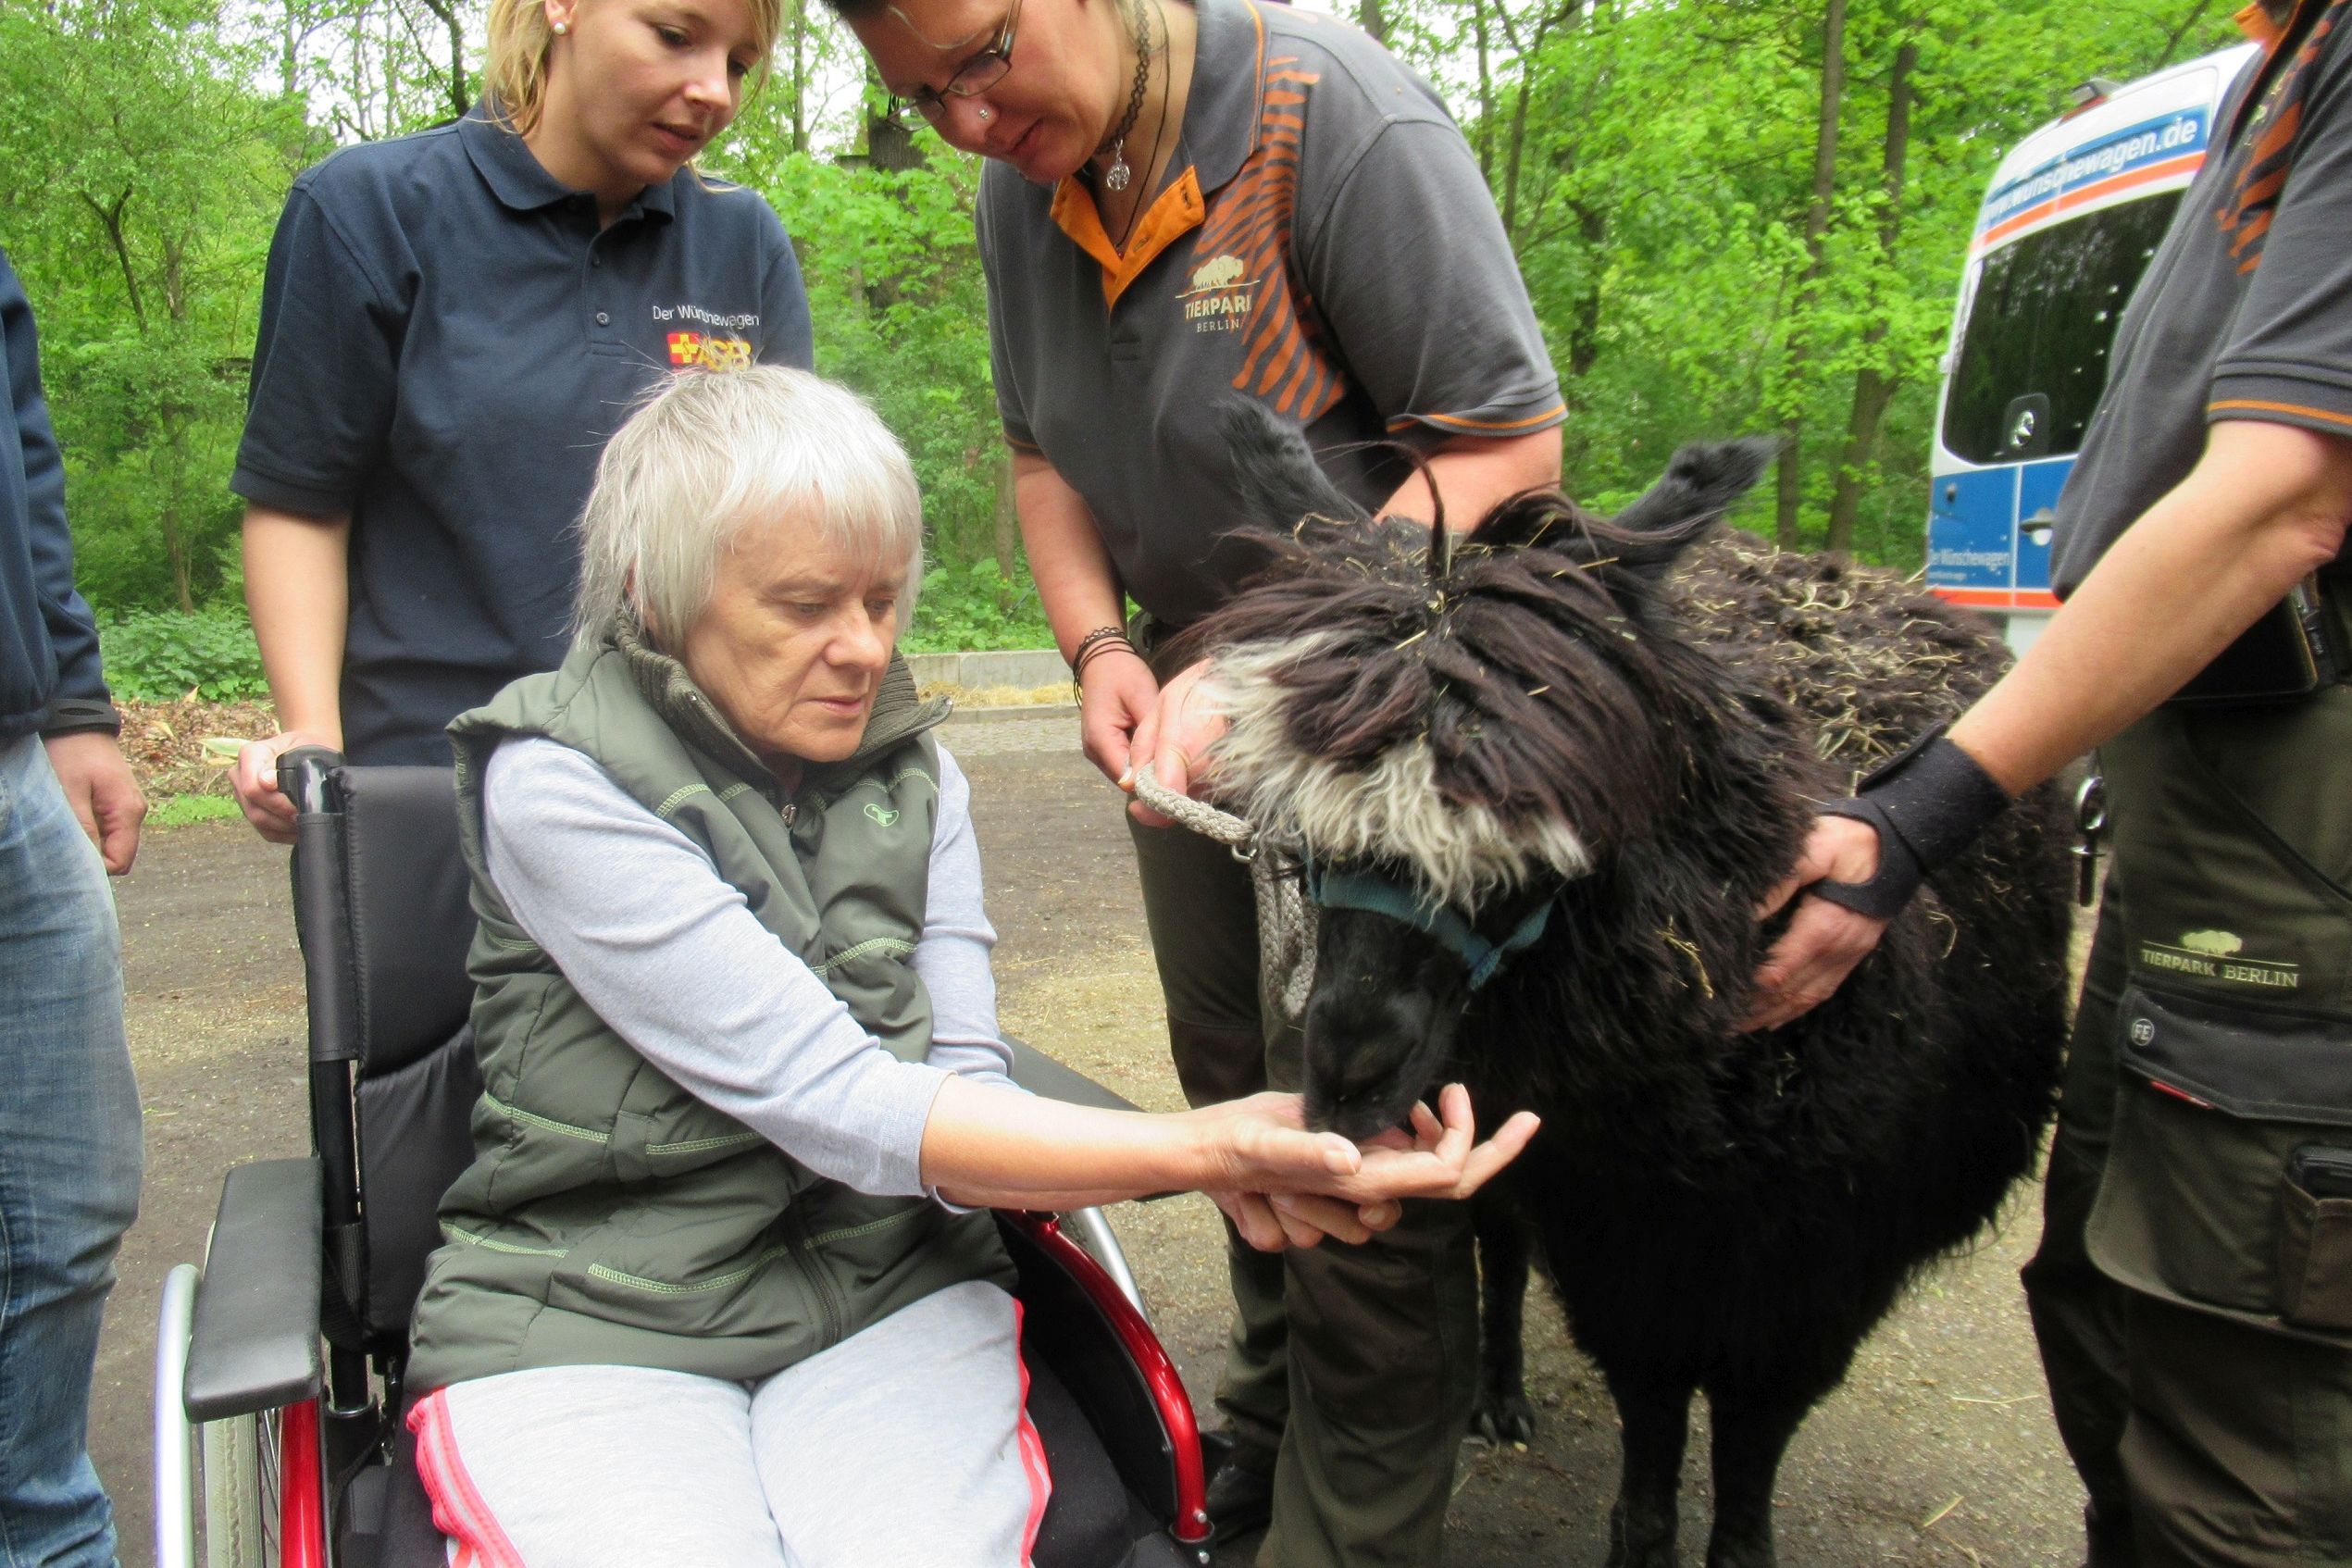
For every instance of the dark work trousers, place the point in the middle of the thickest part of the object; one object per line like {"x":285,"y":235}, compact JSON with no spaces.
{"x":2193,"y":1306}
{"x":1356,"y":1364}
{"x":2078,"y":1311}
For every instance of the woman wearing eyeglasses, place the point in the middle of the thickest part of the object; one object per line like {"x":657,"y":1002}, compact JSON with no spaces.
{"x":1199,"y":202}
{"x":453,"y":323}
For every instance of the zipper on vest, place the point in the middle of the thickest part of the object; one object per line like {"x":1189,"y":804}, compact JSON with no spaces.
{"x":814,"y":1268}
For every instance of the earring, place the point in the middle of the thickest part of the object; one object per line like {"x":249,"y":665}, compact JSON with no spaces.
{"x":561,"y":28}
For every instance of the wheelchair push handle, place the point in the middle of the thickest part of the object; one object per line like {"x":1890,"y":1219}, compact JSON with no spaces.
{"x":302,"y":777}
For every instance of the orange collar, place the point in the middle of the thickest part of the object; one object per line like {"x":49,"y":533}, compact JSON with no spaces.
{"x":1174,"y":213}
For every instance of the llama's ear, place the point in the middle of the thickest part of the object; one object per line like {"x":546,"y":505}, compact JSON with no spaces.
{"x":1699,"y":487}
{"x":1276,"y":472}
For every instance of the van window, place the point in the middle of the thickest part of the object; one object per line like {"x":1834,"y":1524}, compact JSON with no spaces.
{"x":2033,"y":353}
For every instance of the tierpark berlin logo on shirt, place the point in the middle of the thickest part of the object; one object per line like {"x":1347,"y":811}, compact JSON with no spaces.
{"x":1220,"y":297}
{"x":2219,"y":955}
{"x":712,"y":351}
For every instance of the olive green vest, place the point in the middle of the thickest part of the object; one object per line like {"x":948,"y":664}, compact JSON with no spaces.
{"x":609,"y":1216}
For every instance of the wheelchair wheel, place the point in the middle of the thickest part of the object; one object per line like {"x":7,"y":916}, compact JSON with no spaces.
{"x":241,"y":1492}
{"x":219,"y":1487}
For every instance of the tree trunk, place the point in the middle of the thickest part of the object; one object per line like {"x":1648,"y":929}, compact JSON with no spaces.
{"x":1567,"y":15}
{"x":1008,"y":520}
{"x":2196,"y":14}
{"x":174,"y":458}
{"x":1873,"y":388}
{"x":1376,"y":26}
{"x":1790,"y":478}
{"x":110,"y":219}
{"x":459,"y":86}
{"x":1485,"y":93}
{"x":800,"y":76}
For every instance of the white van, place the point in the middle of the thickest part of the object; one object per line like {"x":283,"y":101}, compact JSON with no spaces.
{"x":2073,"y":216}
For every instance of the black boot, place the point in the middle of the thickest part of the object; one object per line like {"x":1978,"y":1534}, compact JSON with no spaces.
{"x":1240,"y":1484}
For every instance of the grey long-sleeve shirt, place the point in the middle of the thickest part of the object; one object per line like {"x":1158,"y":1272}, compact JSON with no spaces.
{"x":638,"y":920}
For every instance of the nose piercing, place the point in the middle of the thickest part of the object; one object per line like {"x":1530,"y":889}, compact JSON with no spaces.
{"x":986,"y":115}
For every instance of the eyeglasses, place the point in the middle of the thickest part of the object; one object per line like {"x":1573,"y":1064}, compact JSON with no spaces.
{"x":973,"y":78}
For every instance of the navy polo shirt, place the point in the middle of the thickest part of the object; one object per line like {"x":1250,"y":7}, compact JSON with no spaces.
{"x":447,"y":341}
{"x":48,"y":640}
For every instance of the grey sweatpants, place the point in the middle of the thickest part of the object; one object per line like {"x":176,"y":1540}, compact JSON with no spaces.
{"x":905,"y":1446}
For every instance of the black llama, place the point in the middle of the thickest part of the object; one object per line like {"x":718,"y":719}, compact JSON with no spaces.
{"x":1539,"y":778}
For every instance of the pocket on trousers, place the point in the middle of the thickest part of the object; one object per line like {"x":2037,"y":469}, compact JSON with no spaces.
{"x":2197,"y":1204}
{"x":2315,"y":1256}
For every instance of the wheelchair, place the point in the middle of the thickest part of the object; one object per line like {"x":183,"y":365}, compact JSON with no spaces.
{"x":278,"y":1364}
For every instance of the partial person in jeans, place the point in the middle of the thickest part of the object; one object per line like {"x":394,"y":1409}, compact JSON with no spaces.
{"x":2192,"y":1295}
{"x":451,"y":324}
{"x":70,"y":815}
{"x":711,"y":1291}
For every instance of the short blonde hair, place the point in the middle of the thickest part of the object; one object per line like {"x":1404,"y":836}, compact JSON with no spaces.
{"x":514,"y":69}
{"x":711,"y":453}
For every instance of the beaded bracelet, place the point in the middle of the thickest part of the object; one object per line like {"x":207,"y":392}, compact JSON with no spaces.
{"x":1085,"y":644}
{"x":1091,"y":646}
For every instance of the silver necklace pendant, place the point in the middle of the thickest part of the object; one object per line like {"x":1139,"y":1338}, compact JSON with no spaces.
{"x":1116,"y":177}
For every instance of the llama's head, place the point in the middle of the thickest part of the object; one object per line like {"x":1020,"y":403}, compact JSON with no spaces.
{"x":1448,"y":731}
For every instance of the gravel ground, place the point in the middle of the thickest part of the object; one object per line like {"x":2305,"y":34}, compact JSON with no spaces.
{"x":1939,"y":1451}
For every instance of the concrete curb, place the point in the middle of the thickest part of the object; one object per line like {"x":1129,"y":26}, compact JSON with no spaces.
{"x":1019,"y":667}
{"x":1017,"y":710}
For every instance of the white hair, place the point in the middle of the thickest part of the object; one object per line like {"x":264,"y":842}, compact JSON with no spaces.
{"x":712,"y":453}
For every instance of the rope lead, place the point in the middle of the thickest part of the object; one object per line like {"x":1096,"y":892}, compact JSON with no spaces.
{"x":1286,"y":923}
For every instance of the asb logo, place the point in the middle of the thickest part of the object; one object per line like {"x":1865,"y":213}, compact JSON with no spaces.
{"x":710,"y":352}
{"x":1220,"y":298}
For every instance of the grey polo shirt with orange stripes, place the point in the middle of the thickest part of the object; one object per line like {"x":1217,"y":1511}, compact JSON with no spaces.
{"x":2245,"y":310}
{"x":1329,"y":248}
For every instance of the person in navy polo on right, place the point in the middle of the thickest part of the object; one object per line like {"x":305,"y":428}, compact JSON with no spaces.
{"x":451,"y":324}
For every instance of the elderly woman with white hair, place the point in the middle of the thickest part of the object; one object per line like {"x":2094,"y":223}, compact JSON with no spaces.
{"x":711,"y":1291}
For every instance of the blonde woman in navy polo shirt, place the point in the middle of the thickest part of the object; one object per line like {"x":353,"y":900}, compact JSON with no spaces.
{"x":1188,"y":202}
{"x":453,"y":323}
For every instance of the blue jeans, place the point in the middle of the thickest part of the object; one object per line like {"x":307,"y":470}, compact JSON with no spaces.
{"x":68,"y":1163}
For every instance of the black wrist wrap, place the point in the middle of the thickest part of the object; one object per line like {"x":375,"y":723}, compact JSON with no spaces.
{"x":72,"y":716}
{"x":1928,"y":803}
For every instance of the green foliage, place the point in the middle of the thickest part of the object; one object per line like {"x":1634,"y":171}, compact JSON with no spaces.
{"x":144,"y":174}
{"x":900,"y":312}
{"x":177,"y":811}
{"x":158,"y":655}
{"x":1655,"y":160}
{"x":976,"y":606}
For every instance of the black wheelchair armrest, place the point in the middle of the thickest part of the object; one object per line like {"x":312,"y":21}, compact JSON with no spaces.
{"x":1049,"y":1079}
{"x":255,"y":1343}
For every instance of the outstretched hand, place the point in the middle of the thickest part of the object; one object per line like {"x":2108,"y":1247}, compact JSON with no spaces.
{"x":1442,"y":1158}
{"x":1290,"y":1186}
{"x":1824,"y":940}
